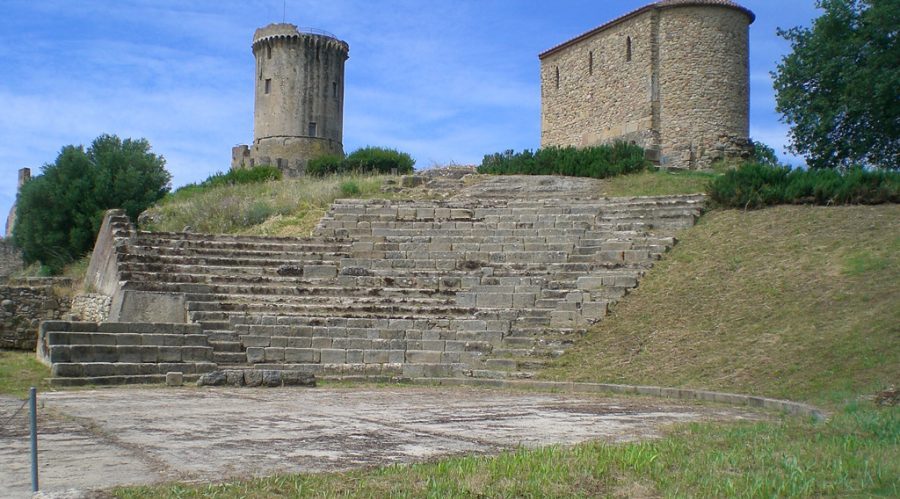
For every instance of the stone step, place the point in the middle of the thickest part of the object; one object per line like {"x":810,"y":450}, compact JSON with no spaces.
{"x":203,"y":252}
{"x":229,"y":262}
{"x":326,"y":307}
{"x":201,"y":238}
{"x":284,"y":291}
{"x":221,"y":358}
{"x":116,"y":380}
{"x":220,"y":346}
{"x":100,"y":369}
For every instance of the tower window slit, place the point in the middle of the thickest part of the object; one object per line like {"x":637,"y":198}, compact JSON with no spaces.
{"x":268,"y":85}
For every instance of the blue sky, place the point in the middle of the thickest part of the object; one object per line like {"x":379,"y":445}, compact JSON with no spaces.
{"x":447,"y":81}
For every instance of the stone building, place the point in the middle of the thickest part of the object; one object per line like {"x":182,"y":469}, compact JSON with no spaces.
{"x":672,"y":76}
{"x":299,"y":105}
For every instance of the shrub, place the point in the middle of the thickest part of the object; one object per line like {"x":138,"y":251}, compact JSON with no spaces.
{"x":755,"y":185}
{"x":60,"y":211}
{"x":257,"y":174}
{"x":350,"y":188}
{"x":378,"y":160}
{"x":329,"y":164}
{"x":365,"y":160}
{"x":598,"y":162}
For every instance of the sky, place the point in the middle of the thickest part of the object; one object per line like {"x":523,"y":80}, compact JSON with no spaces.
{"x":446,"y":80}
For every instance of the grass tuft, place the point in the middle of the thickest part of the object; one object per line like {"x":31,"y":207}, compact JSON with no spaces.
{"x":20,"y":371}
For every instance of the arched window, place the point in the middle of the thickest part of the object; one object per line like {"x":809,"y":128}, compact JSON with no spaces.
{"x":628,"y":49}
{"x":557,"y":77}
{"x":591,"y":62}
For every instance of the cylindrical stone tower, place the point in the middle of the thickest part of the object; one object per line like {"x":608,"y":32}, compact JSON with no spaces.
{"x":704,"y":80}
{"x":299,"y":105}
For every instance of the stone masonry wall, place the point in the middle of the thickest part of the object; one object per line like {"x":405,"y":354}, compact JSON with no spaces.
{"x":704,"y":85}
{"x":601,"y":96}
{"x":91,"y":308}
{"x":683,"y":95}
{"x":22,"y":308}
{"x":10,"y":259}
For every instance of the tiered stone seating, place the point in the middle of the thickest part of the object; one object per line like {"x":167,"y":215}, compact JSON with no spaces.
{"x":387,"y":289}
{"x":122,"y":352}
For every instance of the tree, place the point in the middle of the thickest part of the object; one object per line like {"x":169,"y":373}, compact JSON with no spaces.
{"x":60,"y":211}
{"x":764,"y":154}
{"x":839,"y":88}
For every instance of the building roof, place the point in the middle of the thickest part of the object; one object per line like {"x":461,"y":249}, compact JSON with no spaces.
{"x":661,"y":4}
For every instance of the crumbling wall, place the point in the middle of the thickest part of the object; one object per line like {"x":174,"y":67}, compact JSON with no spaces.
{"x":23,"y":305}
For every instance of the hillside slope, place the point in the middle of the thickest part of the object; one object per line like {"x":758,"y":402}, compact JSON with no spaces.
{"x":794,"y":301}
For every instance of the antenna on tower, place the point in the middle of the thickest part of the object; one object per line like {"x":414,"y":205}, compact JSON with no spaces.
{"x":283,"y":11}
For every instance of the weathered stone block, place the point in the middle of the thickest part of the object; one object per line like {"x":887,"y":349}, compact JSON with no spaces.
{"x":274,"y":354}
{"x":271,"y":378}
{"x":376,"y":357}
{"x":332,"y":356}
{"x":149,"y":353}
{"x":422,"y":356}
{"x":319,"y":271}
{"x":234,"y":377}
{"x":99,"y":369}
{"x":60,"y":353}
{"x":253,"y":377}
{"x":298,"y":378}
{"x":64,"y":370}
{"x":196,"y":354}
{"x":129,"y":354}
{"x":128,"y":339}
{"x":169,"y":354}
{"x":256,"y":355}
{"x":174,"y":379}
{"x":249,"y":341}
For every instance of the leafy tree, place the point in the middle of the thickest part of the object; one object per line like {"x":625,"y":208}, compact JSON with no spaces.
{"x":59,"y":212}
{"x":839,"y":89}
{"x":764,"y":154}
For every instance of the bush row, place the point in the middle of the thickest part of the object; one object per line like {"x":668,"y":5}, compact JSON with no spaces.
{"x":257,"y":174}
{"x":364,"y":160}
{"x":755,"y":185}
{"x":597,"y":162}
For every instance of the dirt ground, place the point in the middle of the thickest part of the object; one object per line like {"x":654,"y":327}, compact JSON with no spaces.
{"x":101,"y":438}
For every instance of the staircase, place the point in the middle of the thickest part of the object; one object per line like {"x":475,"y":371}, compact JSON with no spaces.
{"x":489,"y":288}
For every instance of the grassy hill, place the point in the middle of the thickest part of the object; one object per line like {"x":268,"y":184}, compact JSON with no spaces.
{"x":794,"y":302}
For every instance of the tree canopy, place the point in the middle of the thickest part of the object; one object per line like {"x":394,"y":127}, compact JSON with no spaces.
{"x":839,"y":88}
{"x":59,"y":212}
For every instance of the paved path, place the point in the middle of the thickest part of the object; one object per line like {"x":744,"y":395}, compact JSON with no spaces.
{"x":101,"y":438}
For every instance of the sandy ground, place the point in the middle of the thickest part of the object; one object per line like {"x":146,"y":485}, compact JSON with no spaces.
{"x":102,"y":438}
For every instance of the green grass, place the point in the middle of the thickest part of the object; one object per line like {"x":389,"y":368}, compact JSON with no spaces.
{"x":290,"y":207}
{"x":852,"y":454}
{"x":792,"y":302}
{"x":19,"y":371}
{"x":657,"y":183}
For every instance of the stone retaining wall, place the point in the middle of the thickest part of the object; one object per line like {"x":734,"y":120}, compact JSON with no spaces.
{"x":91,"y":307}
{"x":22,"y":308}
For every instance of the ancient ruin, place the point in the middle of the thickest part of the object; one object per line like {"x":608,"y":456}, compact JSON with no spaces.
{"x":490,"y":283}
{"x":299,"y":107}
{"x":672,"y":77}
